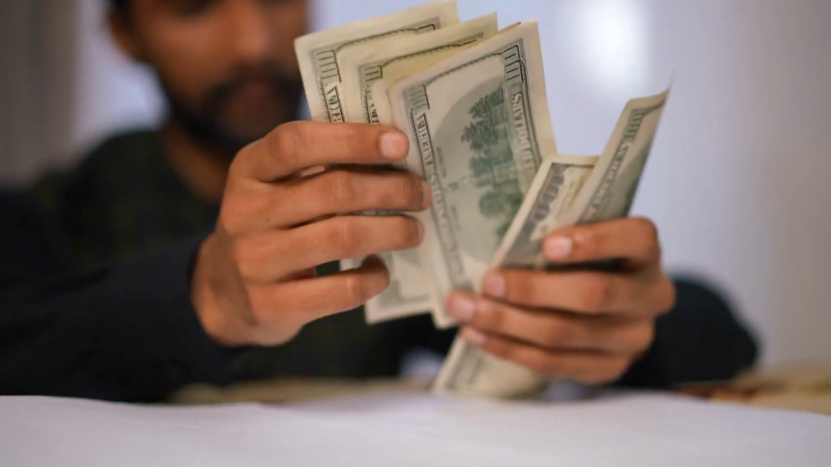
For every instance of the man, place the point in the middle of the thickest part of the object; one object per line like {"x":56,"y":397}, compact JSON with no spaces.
{"x":225,"y":165}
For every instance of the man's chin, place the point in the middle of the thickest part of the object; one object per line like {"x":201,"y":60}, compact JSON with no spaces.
{"x":233,"y":138}
{"x":240,"y":140}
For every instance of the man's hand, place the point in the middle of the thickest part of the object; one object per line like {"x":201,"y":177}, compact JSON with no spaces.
{"x":254,"y":280}
{"x":584,"y":325}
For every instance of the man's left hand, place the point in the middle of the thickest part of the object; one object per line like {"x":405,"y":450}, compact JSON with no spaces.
{"x":581,"y":324}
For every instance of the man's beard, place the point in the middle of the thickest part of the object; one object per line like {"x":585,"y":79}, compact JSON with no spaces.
{"x":203,"y":121}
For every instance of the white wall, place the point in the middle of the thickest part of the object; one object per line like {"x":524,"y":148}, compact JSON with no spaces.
{"x":738,"y":178}
{"x":37,"y":57}
{"x":112,"y":92}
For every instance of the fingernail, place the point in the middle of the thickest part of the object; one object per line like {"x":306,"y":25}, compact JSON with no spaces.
{"x":461,"y":308}
{"x":394,"y":145}
{"x":426,"y":194}
{"x":557,"y":247}
{"x":474,"y":337}
{"x":420,"y":229}
{"x":495,"y":285}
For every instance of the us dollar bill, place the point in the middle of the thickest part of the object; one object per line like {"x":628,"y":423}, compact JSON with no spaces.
{"x":561,"y":196}
{"x":611,"y":189}
{"x":363,"y":65}
{"x":479,"y":129}
{"x":554,"y":190}
{"x":468,"y":370}
{"x":398,"y":70}
{"x":607,"y":195}
{"x":317,"y":53}
{"x":409,"y":290}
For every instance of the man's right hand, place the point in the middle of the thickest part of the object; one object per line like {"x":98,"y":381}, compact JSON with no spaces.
{"x":254,"y":279}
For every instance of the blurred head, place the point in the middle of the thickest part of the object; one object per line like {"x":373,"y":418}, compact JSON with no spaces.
{"x":228,"y":67}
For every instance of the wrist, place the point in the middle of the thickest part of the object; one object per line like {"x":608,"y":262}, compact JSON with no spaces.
{"x":205,"y":294}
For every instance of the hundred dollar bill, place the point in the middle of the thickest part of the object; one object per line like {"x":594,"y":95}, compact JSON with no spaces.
{"x":553,"y":191}
{"x":363,"y":65}
{"x":607,"y":194}
{"x":409,"y":290}
{"x":479,"y":128}
{"x":611,"y":188}
{"x":317,"y":53}
{"x":412,"y":282}
{"x":470,"y":371}
{"x":398,"y":70}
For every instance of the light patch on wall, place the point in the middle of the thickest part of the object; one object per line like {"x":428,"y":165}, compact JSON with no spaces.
{"x":611,"y":45}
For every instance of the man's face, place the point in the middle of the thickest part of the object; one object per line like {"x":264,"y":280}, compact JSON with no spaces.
{"x":227,"y":66}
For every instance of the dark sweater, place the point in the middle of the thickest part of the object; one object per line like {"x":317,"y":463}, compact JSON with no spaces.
{"x":94,"y":298}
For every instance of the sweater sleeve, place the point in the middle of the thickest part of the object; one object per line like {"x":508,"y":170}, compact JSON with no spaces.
{"x":125,"y":332}
{"x":701,"y":339}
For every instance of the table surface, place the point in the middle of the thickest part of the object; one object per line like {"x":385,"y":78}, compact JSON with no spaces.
{"x":804,"y":386}
{"x":391,"y":427}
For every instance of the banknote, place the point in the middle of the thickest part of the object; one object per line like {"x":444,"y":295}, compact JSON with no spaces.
{"x":562,"y":195}
{"x":362,"y":65}
{"x":408,"y":293}
{"x":317,"y":53}
{"x":398,"y":70}
{"x":470,"y":371}
{"x":479,"y":129}
{"x":611,"y":188}
{"x":606,"y":195}
{"x":555,"y":188}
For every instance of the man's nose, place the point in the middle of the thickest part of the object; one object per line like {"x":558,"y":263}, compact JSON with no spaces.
{"x":248,"y":34}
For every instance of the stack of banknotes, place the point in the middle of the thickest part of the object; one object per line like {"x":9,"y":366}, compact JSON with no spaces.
{"x":472,"y":100}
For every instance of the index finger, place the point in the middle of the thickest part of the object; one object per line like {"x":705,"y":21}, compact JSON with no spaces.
{"x":294,"y":146}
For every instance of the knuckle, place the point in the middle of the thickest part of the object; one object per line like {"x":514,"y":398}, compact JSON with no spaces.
{"x":646,"y":227}
{"x":616,"y":370}
{"x":499,"y":348}
{"x":635,"y":339}
{"x":597,"y":379}
{"x":287,"y":139}
{"x":598,"y":295}
{"x":278,"y":335}
{"x":493,"y":319}
{"x":646,"y":337}
{"x":260,"y":307}
{"x":353,"y":137}
{"x":242,"y":258}
{"x":570,"y":367}
{"x":410,"y":192}
{"x":668,"y":296}
{"x":343,"y":187}
{"x":520,"y":287}
{"x":353,"y":291}
{"x":540,"y":364}
{"x":555,"y":333}
{"x":344,"y":238}
{"x":649,"y":233}
{"x":238,"y":213}
{"x":385,"y":279}
{"x":406,"y":232}
{"x":234,"y":170}
{"x":228,"y":221}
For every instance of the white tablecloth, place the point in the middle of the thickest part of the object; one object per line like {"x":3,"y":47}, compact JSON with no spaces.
{"x":415,"y":429}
